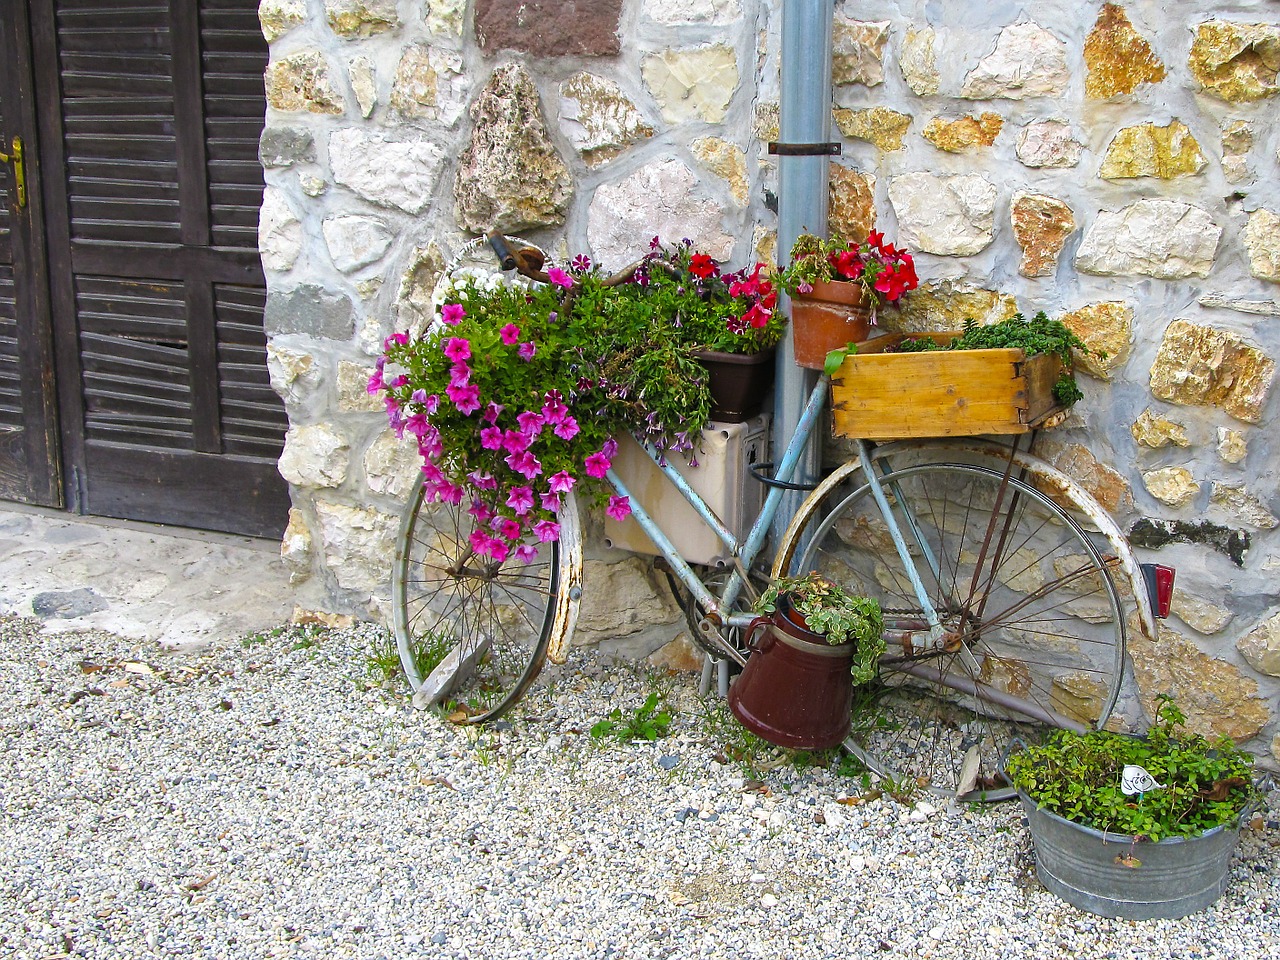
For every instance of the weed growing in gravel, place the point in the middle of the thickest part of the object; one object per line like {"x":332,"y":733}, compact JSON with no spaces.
{"x":261,"y":637}
{"x":382,"y":658}
{"x":649,"y":722}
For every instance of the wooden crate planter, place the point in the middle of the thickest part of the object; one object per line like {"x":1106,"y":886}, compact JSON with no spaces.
{"x":943,"y":393}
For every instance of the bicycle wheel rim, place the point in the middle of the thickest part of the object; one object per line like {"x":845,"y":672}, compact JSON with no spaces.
{"x":499,"y":616}
{"x":1040,"y":623}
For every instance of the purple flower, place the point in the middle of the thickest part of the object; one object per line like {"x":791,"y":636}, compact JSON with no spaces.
{"x":481,"y":480}
{"x":419,"y":396}
{"x":417,"y":424}
{"x":619,"y":508}
{"x":457,"y":348}
{"x":459,"y":374}
{"x":559,"y":278}
{"x":481,"y":511}
{"x":452,"y":313}
{"x":526,"y":553}
{"x":561,"y":482}
{"x":398,"y":382}
{"x":597,"y":465}
{"x":520,"y":500}
{"x":546,"y":531}
{"x":567,"y":428}
{"x":466,"y":399}
{"x":527,"y":350}
{"x":551,"y":502}
{"x":510,"y":334}
{"x":492,"y":411}
{"x":449,"y":492}
{"x":655,"y":244}
{"x":581,"y":263}
{"x":609,"y":448}
{"x":491,"y":438}
{"x":375,"y":382}
{"x":530,"y":423}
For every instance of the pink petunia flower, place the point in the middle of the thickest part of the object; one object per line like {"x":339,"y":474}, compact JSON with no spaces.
{"x":524,"y":463}
{"x":527,"y":350}
{"x":375,"y":382}
{"x":526,"y":553}
{"x":530,"y":423}
{"x":547,"y":531}
{"x":553,"y":408}
{"x":481,"y":511}
{"x":491,"y":438}
{"x":431,"y":473}
{"x":450,"y":492}
{"x":567,"y":428}
{"x":551,"y":502}
{"x":520,"y":500}
{"x":459,"y":374}
{"x":507,"y":528}
{"x":597,"y":465}
{"x":457,"y":348}
{"x":419,"y":396}
{"x":482,"y":480}
{"x":561,"y":482}
{"x":619,"y":508}
{"x":492,"y":411}
{"x":452,"y":313}
{"x":559,"y":278}
{"x":515,"y":441}
{"x":395,"y":340}
{"x":510,"y":334}
{"x":466,"y":399}
{"x":481,"y":542}
{"x":609,"y":448}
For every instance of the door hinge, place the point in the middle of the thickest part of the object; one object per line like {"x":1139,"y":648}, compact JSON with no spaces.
{"x":19,"y":171}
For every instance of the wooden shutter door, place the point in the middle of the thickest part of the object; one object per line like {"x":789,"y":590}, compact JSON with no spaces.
{"x":159,"y":107}
{"x":29,"y":467}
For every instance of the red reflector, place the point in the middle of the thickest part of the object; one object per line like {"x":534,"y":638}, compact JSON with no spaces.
{"x":1159,"y":581}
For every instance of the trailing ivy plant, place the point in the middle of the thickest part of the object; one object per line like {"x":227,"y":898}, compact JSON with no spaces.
{"x":1204,"y":783}
{"x":1035,"y":336}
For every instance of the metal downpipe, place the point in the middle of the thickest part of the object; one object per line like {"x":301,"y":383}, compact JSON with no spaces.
{"x":804,"y":117}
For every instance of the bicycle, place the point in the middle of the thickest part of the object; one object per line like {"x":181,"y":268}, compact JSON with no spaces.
{"x":997,"y":574}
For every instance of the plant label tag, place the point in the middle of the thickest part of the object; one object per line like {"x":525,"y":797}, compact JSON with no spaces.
{"x":1135,"y":779}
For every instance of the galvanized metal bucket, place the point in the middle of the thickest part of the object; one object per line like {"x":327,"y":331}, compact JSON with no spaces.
{"x":1092,"y":870}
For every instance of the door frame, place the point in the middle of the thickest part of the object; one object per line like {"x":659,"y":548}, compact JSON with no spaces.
{"x":37,"y":358}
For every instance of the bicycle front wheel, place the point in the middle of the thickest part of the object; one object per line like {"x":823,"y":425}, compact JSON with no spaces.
{"x":480,"y":625}
{"x":1031,"y":635}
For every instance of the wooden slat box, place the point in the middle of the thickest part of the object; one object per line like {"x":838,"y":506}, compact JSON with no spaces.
{"x":940,"y":393}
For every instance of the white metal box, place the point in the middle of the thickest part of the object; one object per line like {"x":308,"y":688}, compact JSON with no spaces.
{"x":722,"y":478}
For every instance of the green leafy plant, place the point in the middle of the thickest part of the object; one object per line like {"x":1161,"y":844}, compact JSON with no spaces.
{"x":833,"y":613}
{"x":650,"y":721}
{"x":1204,"y":783}
{"x":1036,"y":336}
{"x":884,"y":272}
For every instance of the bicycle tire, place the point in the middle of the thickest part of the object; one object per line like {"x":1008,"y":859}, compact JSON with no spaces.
{"x":447,"y":603}
{"x":1044,"y":626}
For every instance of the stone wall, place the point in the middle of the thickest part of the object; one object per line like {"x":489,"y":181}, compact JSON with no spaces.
{"x":1113,"y":164}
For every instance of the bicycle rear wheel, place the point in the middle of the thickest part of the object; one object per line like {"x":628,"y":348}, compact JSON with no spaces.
{"x":485,"y":624}
{"x":1033,"y":633}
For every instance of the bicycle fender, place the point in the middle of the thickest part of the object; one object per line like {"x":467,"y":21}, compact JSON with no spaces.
{"x":569,"y":593}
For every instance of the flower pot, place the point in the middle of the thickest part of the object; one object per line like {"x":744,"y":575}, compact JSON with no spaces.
{"x":739,"y":382}
{"x":796,"y":689}
{"x":1089,"y":869}
{"x":833,"y":314}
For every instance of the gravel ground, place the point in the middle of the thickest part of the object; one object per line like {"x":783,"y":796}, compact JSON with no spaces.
{"x":266,"y":799}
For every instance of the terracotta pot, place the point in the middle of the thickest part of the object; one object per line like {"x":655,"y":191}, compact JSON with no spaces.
{"x":740,"y":383}
{"x":833,"y":314}
{"x":796,"y":689}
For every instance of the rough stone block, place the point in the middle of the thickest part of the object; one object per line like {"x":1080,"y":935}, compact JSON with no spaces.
{"x":309,"y":309}
{"x":1202,"y":366}
{"x":1118,"y":58}
{"x":549,"y":28}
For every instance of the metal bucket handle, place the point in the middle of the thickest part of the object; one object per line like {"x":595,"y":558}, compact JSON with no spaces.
{"x":748,"y":640}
